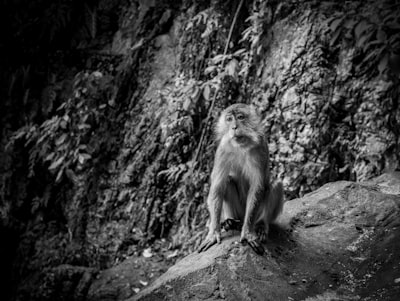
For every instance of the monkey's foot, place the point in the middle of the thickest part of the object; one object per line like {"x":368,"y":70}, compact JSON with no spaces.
{"x":262,"y":234}
{"x":253,"y":242}
{"x":231,"y":224}
{"x":210,"y":240}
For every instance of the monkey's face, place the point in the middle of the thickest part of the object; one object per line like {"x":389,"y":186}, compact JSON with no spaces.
{"x":236,"y":126}
{"x":240,"y":124}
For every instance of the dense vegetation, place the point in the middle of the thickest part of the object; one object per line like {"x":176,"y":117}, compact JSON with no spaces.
{"x":106,"y":112}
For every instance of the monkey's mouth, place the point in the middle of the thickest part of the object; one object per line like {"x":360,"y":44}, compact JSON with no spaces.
{"x":239,"y":138}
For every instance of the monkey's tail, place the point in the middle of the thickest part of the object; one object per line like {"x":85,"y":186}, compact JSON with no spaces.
{"x":276,"y":197}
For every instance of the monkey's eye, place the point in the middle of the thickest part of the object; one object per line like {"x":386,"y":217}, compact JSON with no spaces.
{"x":240,"y":117}
{"x":228,"y":118}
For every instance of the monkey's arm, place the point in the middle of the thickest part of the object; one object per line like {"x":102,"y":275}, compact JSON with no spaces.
{"x":214,"y":230}
{"x":214,"y":202}
{"x":254,"y":197}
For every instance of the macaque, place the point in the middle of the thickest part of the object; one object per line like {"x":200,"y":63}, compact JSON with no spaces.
{"x":241,"y":194}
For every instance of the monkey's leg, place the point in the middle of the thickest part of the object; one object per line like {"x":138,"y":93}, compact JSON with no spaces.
{"x":214,"y":202}
{"x":232,"y":209}
{"x":262,"y":220}
{"x":249,"y":234}
{"x":253,"y":240}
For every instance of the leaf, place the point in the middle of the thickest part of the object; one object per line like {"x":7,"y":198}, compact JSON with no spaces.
{"x":255,"y":41}
{"x":49,"y":157}
{"x":84,"y":126}
{"x":383,"y":64}
{"x":206,"y":92}
{"x":361,"y":28}
{"x":63,"y":124}
{"x":82,"y":146}
{"x":61,"y":139}
{"x":364,"y":38}
{"x":239,"y":52}
{"x":195,"y":93}
{"x":218,"y":58}
{"x":59,"y":175}
{"x":335,"y":37}
{"x":187,"y":103}
{"x":231,"y":68}
{"x":329,"y":20}
{"x":335,"y":24}
{"x":381,"y":35}
{"x":189,"y":25}
{"x":82,"y":158}
{"x":246,"y":33}
{"x":390,"y":17}
{"x":209,"y":69}
{"x":62,"y":106}
{"x":97,"y":74}
{"x":20,"y":135}
{"x":349,"y":24}
{"x":57,"y":163}
{"x":253,"y":17}
{"x":35,"y":204}
{"x":41,"y":139}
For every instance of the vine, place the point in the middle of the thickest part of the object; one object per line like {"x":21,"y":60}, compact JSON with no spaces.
{"x":210,"y":110}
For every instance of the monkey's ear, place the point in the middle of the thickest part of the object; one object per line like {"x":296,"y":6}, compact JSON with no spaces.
{"x":220,"y":126}
{"x":254,"y":110}
{"x":255,"y":114}
{"x":257,"y":110}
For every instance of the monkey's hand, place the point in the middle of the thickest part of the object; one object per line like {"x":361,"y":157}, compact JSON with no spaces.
{"x":252,"y":240}
{"x":212,"y":238}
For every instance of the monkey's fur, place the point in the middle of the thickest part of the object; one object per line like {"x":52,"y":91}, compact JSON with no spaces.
{"x":241,"y":192}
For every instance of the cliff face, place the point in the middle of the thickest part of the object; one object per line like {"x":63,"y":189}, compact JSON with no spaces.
{"x":124,"y":160}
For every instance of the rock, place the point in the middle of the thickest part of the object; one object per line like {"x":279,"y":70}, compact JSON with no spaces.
{"x":341,"y":242}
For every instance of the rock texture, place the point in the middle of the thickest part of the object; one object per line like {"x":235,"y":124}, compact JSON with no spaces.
{"x":341,"y":242}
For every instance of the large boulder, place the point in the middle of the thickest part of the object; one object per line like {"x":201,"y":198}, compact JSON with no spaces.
{"x":341,"y":242}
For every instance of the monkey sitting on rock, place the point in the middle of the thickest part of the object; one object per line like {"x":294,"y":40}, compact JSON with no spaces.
{"x":241,"y":193}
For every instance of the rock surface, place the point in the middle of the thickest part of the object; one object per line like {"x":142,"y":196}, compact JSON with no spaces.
{"x":341,"y":242}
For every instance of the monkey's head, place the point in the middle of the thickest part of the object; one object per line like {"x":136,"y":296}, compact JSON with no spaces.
{"x":239,"y":123}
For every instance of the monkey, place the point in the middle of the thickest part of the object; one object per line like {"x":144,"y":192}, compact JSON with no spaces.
{"x":241,"y":193}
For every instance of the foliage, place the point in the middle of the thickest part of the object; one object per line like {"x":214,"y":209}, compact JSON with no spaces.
{"x":256,"y":36}
{"x":179,"y":128}
{"x":68,"y":142}
{"x":376,"y":38}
